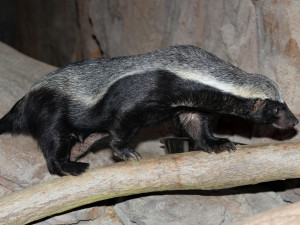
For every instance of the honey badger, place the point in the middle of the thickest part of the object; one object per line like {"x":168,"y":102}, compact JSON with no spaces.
{"x":120,"y":95}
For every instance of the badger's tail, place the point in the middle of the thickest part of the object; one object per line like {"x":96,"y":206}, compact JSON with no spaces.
{"x":13,"y":122}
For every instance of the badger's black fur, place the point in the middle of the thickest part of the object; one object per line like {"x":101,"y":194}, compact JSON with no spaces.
{"x":120,"y":95}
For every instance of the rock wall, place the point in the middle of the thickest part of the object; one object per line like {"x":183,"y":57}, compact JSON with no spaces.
{"x":278,"y":41}
{"x":48,"y":30}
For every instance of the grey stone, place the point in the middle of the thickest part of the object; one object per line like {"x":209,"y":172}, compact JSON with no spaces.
{"x":109,"y":218}
{"x":195,"y":209}
{"x":75,"y":217}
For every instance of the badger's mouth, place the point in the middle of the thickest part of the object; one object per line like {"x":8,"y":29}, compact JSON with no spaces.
{"x":278,"y":127}
{"x":286,"y":127}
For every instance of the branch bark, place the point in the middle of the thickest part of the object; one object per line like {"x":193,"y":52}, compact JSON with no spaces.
{"x":185,"y":171}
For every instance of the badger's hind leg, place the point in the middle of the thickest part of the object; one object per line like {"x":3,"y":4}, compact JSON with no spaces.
{"x":56,"y":147}
{"x":196,"y":125}
{"x":49,"y":122}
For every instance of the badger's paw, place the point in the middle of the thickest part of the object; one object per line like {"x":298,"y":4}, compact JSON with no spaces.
{"x":67,"y":167}
{"x":74,"y":168}
{"x":216,"y":145}
{"x":127,"y":153}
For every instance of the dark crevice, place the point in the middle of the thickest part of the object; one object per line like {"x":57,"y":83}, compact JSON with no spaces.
{"x":77,"y":14}
{"x":99,"y":47}
{"x":96,"y":39}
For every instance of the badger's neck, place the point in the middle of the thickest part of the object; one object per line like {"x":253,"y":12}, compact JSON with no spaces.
{"x":211,"y":100}
{"x":224,"y":103}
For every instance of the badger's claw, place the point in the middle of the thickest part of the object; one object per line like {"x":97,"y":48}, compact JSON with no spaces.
{"x":216,"y":145}
{"x":127,"y":153}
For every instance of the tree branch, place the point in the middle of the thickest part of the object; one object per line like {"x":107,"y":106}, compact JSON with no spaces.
{"x":185,"y":171}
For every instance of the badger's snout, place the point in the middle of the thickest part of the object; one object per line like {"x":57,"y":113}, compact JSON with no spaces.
{"x":296,"y":121}
{"x":286,"y":120}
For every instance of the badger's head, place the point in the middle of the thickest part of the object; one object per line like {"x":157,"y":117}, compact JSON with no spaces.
{"x":272,"y":112}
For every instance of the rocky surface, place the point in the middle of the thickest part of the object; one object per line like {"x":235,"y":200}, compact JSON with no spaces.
{"x":203,"y":209}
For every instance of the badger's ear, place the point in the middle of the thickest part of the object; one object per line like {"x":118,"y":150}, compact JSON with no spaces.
{"x":257,"y":105}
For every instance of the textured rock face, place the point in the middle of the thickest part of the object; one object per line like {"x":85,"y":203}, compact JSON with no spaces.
{"x":195,"y":209}
{"x":57,"y":32}
{"x":225,"y":28}
{"x":18,"y":73}
{"x":278,"y":44}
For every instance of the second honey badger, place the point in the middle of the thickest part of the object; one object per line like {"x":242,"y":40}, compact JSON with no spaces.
{"x":120,"y":95}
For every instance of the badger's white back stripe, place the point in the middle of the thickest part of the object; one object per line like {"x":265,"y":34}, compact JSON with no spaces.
{"x":88,"y":81}
{"x":200,"y":77}
{"x":220,"y":85}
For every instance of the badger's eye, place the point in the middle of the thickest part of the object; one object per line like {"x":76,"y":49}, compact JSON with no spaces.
{"x":276,"y":110}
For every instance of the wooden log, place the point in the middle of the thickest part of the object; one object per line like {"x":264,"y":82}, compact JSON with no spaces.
{"x":184,"y":171}
{"x":286,"y":215}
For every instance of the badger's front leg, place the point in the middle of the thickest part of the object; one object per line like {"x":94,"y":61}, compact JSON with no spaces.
{"x":122,"y":131}
{"x":196,"y":126}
